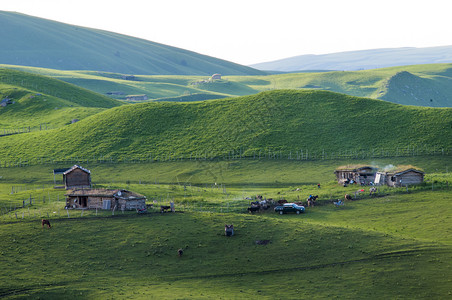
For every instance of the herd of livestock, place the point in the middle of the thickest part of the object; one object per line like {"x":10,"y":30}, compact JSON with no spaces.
{"x":261,"y":204}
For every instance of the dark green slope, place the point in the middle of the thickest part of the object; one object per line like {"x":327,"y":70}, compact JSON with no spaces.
{"x":40,"y":101}
{"x":409,"y":89}
{"x":283,"y":120}
{"x":31,"y":41}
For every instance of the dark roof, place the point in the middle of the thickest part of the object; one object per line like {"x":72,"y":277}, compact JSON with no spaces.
{"x":76,"y":167}
{"x":60,"y":171}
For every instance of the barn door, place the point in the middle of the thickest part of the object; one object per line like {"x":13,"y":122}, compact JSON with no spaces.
{"x":83,"y":201}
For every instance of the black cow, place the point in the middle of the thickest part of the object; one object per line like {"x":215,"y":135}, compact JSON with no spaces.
{"x":253,"y":208}
{"x":164,"y":208}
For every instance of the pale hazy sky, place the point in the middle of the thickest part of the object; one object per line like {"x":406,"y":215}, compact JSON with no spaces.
{"x":253,"y":31}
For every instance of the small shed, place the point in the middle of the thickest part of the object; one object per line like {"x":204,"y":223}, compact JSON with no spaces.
{"x":58,"y":172}
{"x":400,"y":177}
{"x":77,"y":177}
{"x":104,"y":199}
{"x":356,"y":173}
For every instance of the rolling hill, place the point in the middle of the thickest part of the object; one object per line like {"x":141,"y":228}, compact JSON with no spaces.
{"x":32,"y":41}
{"x":420,"y":85}
{"x":361,"y":60}
{"x":42,"y":102}
{"x":280,"y":121}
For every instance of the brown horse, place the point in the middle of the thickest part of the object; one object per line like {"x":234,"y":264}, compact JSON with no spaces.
{"x":45,"y":222}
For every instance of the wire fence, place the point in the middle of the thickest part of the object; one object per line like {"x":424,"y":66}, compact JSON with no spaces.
{"x":25,"y":129}
{"x":47,"y":206}
{"x":240,"y":154}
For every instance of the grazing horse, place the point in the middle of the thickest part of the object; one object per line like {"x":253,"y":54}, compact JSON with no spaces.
{"x":180,"y":252}
{"x":45,"y":222}
{"x":348,"y":197}
{"x":164,"y":208}
{"x":228,"y":230}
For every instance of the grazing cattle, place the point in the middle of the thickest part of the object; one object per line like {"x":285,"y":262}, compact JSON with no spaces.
{"x":228,"y":230}
{"x":164,"y":208}
{"x":281,"y":202}
{"x":180,"y":252}
{"x":45,"y":222}
{"x":253,"y":208}
{"x":265,"y":207}
{"x":348,"y":197}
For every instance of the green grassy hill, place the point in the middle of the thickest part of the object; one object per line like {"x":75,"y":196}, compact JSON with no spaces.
{"x":41,"y":101}
{"x":32,"y":41}
{"x":420,"y":85}
{"x":280,"y":122}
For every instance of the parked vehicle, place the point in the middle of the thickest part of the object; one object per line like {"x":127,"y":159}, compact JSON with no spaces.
{"x":289,"y":207}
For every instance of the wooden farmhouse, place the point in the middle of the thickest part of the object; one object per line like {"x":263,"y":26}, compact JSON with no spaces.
{"x":77,"y":177}
{"x":355,"y":174}
{"x":104,"y":199}
{"x":400,"y":177}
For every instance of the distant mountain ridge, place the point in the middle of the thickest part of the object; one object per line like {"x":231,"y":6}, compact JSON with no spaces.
{"x":361,"y":60}
{"x":37,"y":42}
